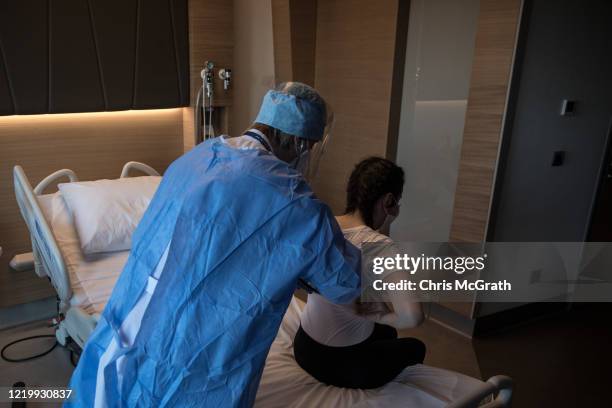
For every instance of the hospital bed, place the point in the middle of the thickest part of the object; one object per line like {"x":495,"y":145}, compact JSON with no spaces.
{"x":84,"y":283}
{"x":285,"y":384}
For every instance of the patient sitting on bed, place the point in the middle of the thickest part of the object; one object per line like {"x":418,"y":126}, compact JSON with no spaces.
{"x":336,"y":344}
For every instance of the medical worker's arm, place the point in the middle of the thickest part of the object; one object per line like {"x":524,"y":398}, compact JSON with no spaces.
{"x":336,"y":270}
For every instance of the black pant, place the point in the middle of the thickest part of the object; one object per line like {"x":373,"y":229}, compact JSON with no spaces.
{"x":369,"y":364}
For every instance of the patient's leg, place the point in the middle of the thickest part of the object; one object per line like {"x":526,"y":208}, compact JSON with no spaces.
{"x":384,"y":358}
{"x":369,"y":364}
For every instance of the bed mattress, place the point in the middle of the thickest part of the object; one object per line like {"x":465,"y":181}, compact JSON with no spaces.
{"x":285,"y":384}
{"x":92,"y":277}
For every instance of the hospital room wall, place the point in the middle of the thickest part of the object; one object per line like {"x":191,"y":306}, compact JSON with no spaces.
{"x":295,"y":37}
{"x":94,"y":145}
{"x":457,"y":74}
{"x":494,"y":52}
{"x":360,"y":65}
{"x":490,"y":81}
{"x":441,"y":34}
{"x":358,"y":68}
{"x":238,"y":35}
{"x":211,"y":25}
{"x":352,"y":52}
{"x":253,"y":69}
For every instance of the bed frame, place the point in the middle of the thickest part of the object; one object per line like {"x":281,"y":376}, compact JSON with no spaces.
{"x":498,"y":390}
{"x":74,"y":322}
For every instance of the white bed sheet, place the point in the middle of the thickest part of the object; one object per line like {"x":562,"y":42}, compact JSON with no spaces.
{"x":92,"y":277}
{"x":285,"y":384}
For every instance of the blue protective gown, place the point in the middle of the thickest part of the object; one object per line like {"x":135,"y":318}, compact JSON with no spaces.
{"x":242,"y":227}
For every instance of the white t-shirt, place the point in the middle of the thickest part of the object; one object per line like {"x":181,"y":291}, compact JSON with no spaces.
{"x":339,"y":325}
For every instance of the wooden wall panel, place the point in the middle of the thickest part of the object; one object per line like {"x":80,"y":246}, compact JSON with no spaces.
{"x":491,"y":70}
{"x":281,"y":26}
{"x":295,"y":34}
{"x":94,"y":145}
{"x":303,"y":40}
{"x":355,"y":55}
{"x":253,"y":60}
{"x":211,"y":38}
{"x":92,"y":55}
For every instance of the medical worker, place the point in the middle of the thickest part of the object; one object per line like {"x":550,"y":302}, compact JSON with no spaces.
{"x":214,"y":264}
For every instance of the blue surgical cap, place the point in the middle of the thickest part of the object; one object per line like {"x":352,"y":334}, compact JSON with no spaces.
{"x":293,"y":115}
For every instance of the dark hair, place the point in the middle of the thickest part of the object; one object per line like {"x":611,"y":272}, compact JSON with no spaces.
{"x":371,"y":179}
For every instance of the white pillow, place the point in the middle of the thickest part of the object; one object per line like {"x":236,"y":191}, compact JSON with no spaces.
{"x":106,"y":212}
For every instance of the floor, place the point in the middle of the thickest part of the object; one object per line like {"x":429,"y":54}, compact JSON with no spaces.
{"x":18,"y":315}
{"x":561,"y":361}
{"x":446,"y":348}
{"x":52,"y":370}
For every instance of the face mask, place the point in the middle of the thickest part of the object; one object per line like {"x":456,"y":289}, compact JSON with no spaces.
{"x":389,"y":218}
{"x":387,"y":223}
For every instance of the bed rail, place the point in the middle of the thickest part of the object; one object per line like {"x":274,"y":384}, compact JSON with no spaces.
{"x":40,"y":187}
{"x":500,"y":386}
{"x":48,"y":259}
{"x":148,"y":170}
{"x":46,"y":252}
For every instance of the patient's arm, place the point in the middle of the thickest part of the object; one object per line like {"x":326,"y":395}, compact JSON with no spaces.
{"x":402,"y":312}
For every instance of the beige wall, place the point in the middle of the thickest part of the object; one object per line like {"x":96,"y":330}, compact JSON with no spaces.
{"x":355,"y":62}
{"x":491,"y":70}
{"x":352,"y":51}
{"x":94,"y":145}
{"x":238,"y":35}
{"x":253,"y":70}
{"x":295,"y":36}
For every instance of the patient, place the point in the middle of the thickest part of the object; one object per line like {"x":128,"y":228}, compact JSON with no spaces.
{"x":338,"y":345}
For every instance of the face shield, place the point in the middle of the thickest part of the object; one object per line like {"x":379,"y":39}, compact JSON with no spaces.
{"x":297,"y":111}
{"x":310,"y":152}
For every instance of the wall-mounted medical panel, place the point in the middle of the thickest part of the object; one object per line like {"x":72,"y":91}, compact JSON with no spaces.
{"x":93,"y":55}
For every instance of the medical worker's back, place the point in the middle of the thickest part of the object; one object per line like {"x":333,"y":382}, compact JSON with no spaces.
{"x":242,"y":228}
